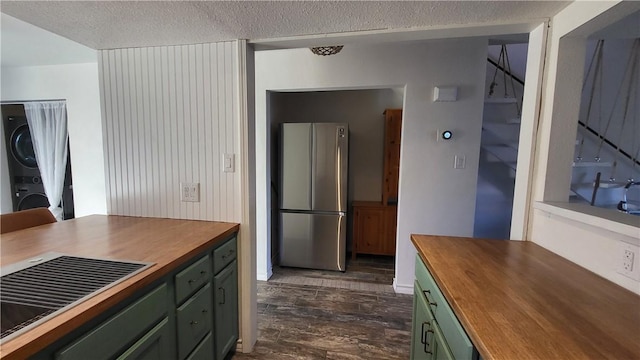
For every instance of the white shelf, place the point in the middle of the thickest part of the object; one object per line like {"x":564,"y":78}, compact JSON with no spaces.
{"x":607,"y":219}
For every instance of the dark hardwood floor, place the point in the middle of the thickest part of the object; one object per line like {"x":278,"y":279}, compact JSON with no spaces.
{"x":298,"y":321}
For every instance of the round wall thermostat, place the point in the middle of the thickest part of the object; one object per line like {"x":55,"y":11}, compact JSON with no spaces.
{"x":447,"y":135}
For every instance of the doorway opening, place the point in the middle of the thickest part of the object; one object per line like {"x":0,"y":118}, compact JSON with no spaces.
{"x":504,"y":88}
{"x":363,"y":112}
{"x":25,"y":180}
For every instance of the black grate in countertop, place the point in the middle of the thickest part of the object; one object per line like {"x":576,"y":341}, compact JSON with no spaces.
{"x":37,"y":291}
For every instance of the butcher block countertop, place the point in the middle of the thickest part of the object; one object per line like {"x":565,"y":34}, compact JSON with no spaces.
{"x":167,"y":243}
{"x":517,"y":300}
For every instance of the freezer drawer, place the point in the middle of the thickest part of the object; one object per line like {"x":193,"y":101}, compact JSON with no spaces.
{"x":315,"y":241}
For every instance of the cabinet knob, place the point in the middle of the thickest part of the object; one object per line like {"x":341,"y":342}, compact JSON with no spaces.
{"x":194,"y":322}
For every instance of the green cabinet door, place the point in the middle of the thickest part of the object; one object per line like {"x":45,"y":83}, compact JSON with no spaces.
{"x":441,"y":349}
{"x":226,"y":309}
{"x":154,"y":345}
{"x":422,"y":340}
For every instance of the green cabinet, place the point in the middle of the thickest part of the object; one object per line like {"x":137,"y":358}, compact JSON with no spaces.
{"x":110,"y":338}
{"x":440,"y":347}
{"x":226,"y":309}
{"x":204,"y":350}
{"x":208,"y":320}
{"x":191,"y":313}
{"x":194,"y":319}
{"x":422,"y":334}
{"x":437,"y":333}
{"x":152,"y":346}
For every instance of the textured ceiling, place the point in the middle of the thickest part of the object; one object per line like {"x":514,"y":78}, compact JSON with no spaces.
{"x":121,"y":24}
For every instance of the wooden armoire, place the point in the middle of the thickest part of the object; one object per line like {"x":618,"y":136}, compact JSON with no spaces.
{"x":374,"y":223}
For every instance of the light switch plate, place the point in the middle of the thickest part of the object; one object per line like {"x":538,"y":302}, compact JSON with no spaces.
{"x":228,"y":163}
{"x":627,"y":261}
{"x":460,"y":162}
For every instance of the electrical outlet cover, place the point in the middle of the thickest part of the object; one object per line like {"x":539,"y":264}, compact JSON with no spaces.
{"x":628,"y":261}
{"x":190,"y":192}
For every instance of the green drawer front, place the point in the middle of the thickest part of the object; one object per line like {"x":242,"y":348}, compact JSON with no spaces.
{"x":224,"y":255}
{"x":194,"y":320}
{"x":441,"y":349}
{"x":192,"y":278}
{"x":204,"y":350}
{"x":153,"y":346}
{"x":422,"y":323}
{"x":428,"y":285}
{"x":454,"y":334}
{"x":107,"y":340}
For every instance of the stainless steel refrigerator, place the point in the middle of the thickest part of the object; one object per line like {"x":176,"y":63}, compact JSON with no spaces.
{"x":313,"y":195}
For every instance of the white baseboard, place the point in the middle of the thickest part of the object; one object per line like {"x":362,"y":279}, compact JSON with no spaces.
{"x":264,"y":276}
{"x":402,"y":288}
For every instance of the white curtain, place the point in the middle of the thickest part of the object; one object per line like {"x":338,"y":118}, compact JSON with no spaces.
{"x":48,"y":125}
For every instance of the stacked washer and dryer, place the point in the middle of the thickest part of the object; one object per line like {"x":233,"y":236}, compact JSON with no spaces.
{"x":27,"y":190}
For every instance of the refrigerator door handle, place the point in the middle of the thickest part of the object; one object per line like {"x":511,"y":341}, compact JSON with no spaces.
{"x":339,"y":193}
{"x":312,"y":161}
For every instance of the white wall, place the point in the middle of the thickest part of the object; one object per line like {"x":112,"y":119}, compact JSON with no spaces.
{"x":170,"y":113}
{"x":434,"y":198}
{"x":78,"y":85}
{"x":594,"y":247}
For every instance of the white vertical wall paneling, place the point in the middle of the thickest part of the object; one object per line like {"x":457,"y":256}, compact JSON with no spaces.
{"x":141,"y":115}
{"x":119,"y":194}
{"x":126,"y":153}
{"x":221,"y":115}
{"x":170,"y":133}
{"x":154,"y":70}
{"x":135,"y":145}
{"x":148,"y":200}
{"x":105,"y":103}
{"x":215,"y":126}
{"x":233,"y":128}
{"x":200,"y":164}
{"x":207,"y":177}
{"x":179,"y":158}
{"x":169,"y":115}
